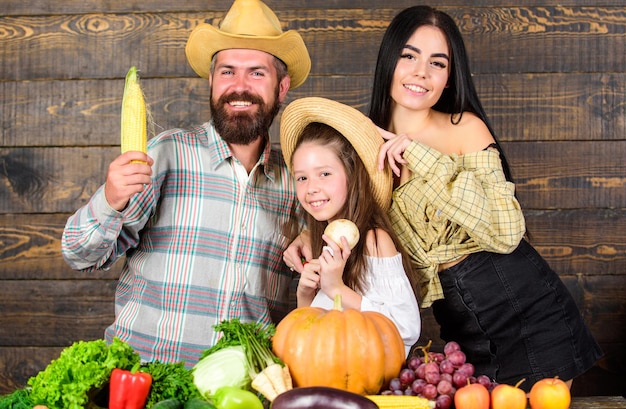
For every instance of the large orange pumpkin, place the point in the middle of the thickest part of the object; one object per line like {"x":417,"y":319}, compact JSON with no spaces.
{"x":346,"y":349}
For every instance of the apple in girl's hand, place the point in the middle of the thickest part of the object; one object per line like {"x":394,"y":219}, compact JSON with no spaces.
{"x":471,"y":396}
{"x":550,"y":393}
{"x":345,"y":228}
{"x":508,"y":397}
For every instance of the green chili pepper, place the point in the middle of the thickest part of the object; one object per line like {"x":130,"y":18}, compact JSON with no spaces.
{"x":230,"y":397}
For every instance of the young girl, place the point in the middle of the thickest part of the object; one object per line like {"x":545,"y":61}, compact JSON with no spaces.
{"x":336,"y":181}
{"x":455,"y":212}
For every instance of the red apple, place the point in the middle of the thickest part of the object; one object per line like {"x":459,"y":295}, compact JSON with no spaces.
{"x":550,"y":393}
{"x":472,"y":396}
{"x":508,"y":397}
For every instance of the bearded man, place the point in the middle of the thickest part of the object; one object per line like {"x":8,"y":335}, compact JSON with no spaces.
{"x":200,"y":222}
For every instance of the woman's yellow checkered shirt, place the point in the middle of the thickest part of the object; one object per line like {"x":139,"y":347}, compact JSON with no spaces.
{"x":453,"y":205}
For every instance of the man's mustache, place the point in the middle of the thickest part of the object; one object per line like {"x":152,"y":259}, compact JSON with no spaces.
{"x":240,"y":96}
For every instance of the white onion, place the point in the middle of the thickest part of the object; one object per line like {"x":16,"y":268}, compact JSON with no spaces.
{"x":343,"y":227}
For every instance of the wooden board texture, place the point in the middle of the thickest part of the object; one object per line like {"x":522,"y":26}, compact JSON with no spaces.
{"x":551,"y":77}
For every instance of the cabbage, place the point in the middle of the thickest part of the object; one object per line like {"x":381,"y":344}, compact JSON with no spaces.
{"x":224,"y":367}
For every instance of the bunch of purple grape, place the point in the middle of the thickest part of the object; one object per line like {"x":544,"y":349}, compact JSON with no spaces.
{"x":436,"y":376}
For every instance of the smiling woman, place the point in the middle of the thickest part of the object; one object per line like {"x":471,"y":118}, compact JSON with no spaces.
{"x":455,"y":210}
{"x":422,"y":73}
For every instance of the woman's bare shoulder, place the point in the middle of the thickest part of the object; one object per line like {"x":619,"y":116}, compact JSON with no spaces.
{"x":472,"y":133}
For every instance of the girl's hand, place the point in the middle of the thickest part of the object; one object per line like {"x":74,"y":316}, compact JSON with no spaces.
{"x":392,"y":150}
{"x":309,"y":283}
{"x":298,"y":250}
{"x":332,"y":264}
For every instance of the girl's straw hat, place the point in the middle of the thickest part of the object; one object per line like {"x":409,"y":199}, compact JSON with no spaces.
{"x":249,"y":24}
{"x":358,"y":129}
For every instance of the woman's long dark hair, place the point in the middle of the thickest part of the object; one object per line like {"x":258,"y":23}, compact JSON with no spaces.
{"x":460,"y":95}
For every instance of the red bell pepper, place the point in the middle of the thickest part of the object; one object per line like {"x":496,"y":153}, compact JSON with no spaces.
{"x":129,"y":389}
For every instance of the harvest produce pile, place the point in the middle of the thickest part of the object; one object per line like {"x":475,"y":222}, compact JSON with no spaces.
{"x":239,"y":372}
{"x":242,"y":371}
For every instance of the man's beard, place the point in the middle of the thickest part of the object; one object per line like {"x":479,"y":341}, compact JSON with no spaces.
{"x":243,"y":128}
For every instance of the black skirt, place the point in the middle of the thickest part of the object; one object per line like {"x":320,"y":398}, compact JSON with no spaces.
{"x":514,"y":318}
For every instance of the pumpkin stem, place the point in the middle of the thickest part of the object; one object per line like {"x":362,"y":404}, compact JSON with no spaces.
{"x":337,"y":303}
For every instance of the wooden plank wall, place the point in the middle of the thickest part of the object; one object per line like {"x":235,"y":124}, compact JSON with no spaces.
{"x":552,"y":77}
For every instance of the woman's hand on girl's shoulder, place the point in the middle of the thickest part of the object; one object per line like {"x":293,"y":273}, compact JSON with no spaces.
{"x":392,"y":150}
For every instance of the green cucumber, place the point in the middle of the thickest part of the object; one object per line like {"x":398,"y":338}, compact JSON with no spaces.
{"x":172,"y":403}
{"x":197,"y":403}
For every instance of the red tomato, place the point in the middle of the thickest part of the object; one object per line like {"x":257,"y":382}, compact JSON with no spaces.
{"x":472,"y":396}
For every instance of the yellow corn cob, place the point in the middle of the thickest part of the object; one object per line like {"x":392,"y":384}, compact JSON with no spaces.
{"x":134,"y":118}
{"x":401,"y":402}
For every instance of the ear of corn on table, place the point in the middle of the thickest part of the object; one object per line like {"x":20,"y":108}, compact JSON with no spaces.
{"x":401,"y":402}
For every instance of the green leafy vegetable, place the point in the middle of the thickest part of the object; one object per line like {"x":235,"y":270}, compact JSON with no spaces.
{"x":261,"y":369}
{"x":255,"y":340}
{"x":81,"y":368}
{"x":18,"y":399}
{"x":224,"y":367}
{"x":169,"y":381}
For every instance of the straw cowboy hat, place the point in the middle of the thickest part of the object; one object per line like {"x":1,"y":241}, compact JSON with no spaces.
{"x":358,"y":129}
{"x":253,"y":25}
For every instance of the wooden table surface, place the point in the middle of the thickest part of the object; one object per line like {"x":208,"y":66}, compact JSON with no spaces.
{"x":598,"y":402}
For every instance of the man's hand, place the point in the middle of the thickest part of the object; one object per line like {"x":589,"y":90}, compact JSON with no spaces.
{"x":298,"y":252}
{"x":124,"y":179}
